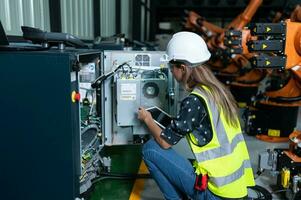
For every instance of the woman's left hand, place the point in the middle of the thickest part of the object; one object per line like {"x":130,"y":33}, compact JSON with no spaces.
{"x":143,"y":114}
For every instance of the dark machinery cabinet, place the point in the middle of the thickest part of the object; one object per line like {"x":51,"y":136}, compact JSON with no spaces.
{"x":40,"y":127}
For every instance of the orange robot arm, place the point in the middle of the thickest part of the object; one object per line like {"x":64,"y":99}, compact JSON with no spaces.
{"x":195,"y":21}
{"x":293,"y":63}
{"x":243,"y":19}
{"x":237,"y":24}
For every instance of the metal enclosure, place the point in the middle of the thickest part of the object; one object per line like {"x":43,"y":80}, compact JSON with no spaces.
{"x":40,"y":144}
{"x":145,"y":81}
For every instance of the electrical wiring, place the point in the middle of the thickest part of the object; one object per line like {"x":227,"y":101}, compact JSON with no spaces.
{"x":278,"y":191}
{"x":120,"y":176}
{"x":262,"y":193}
{"x":97,"y":82}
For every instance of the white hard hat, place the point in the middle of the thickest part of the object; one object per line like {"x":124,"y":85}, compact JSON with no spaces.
{"x":189,"y":47}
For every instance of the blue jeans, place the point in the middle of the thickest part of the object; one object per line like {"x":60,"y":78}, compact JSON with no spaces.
{"x":174,"y":174}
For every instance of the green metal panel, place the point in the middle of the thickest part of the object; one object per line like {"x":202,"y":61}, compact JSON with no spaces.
{"x":125,"y":159}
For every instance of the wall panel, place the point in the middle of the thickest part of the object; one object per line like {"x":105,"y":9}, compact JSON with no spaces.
{"x":77,"y":18}
{"x":16,"y":13}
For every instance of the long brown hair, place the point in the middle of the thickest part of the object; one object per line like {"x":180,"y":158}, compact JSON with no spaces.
{"x":202,"y":75}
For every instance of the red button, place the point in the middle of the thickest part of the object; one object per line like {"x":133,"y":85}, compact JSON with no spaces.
{"x":77,"y":97}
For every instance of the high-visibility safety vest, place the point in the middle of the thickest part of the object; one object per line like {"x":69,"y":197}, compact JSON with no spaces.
{"x":225,"y":159}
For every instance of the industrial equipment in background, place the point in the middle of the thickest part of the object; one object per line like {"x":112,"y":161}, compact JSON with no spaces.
{"x":231,"y":63}
{"x":224,"y":63}
{"x":277,"y":50}
{"x":250,"y":81}
{"x":273,"y":115}
{"x":120,"y":42}
{"x":268,"y":85}
{"x":285,"y":165}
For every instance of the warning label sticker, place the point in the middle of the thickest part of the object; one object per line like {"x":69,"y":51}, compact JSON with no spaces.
{"x":128,"y":97}
{"x":128,"y":91}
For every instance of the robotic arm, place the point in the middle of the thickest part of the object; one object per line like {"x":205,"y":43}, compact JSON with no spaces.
{"x":276,"y":49}
{"x":245,"y":17}
{"x":195,"y":22}
{"x":219,"y":43}
{"x":248,"y":42}
{"x":274,"y":52}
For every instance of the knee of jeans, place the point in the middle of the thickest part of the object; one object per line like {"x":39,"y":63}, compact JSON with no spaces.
{"x":149,"y":145}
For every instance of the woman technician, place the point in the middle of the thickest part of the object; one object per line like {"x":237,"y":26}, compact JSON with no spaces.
{"x":209,"y":121}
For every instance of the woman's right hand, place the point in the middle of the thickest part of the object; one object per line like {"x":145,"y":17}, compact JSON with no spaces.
{"x":143,"y":114}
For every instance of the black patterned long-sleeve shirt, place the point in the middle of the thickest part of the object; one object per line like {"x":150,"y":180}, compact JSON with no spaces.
{"x":192,"y":118}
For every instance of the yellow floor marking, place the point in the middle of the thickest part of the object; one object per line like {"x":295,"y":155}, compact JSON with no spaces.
{"x":139,"y":183}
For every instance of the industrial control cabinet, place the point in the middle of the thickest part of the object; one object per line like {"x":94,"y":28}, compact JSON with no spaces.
{"x":40,"y":130}
{"x":142,"y":79}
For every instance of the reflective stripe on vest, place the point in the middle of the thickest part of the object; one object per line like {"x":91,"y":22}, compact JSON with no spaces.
{"x":221,"y":181}
{"x":220,"y":151}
